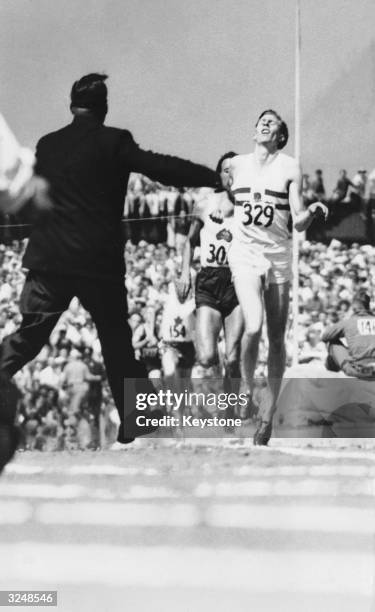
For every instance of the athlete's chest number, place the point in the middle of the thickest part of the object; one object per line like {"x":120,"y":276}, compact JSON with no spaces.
{"x":217,"y":255}
{"x":262,"y":216}
{"x":177,"y":329}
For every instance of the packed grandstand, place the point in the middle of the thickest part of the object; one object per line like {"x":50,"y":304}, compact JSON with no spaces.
{"x":156,"y":227}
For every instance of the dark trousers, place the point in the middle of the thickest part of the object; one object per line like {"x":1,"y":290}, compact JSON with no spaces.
{"x":45,"y":297}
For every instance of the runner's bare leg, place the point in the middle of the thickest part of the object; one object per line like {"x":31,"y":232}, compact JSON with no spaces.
{"x":276,"y":301}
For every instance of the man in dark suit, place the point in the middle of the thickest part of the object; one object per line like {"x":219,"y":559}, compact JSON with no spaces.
{"x":77,"y":248}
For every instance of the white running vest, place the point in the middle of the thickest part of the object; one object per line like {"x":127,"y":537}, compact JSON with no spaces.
{"x":215,"y":236}
{"x":262,"y":209}
{"x":178,"y":321}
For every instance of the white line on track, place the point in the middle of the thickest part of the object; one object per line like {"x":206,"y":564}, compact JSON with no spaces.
{"x":46,"y":491}
{"x":323,"y":453}
{"x":297,"y":488}
{"x":319,"y":519}
{"x":166,"y":567}
{"x":52,"y":491}
{"x":278,"y":517}
{"x":118,"y":514}
{"x":22,"y":469}
{"x":280,"y":488}
{"x":110,"y":470}
{"x":348,"y":470}
{"x":14,"y":512}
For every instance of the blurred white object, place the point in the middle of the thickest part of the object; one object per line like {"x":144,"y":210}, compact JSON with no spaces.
{"x":16,"y":170}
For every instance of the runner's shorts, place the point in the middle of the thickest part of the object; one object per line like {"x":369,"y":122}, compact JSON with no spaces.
{"x":244,"y":259}
{"x":184,"y":351}
{"x":214,"y":287}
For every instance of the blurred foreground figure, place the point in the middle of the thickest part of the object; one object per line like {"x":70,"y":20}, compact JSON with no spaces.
{"x":18,"y":184}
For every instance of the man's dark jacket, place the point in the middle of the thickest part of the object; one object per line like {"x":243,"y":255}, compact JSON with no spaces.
{"x":87,"y":165}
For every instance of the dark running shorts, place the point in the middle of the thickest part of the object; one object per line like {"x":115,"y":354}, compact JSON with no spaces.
{"x":185,"y":351}
{"x":214,"y":287}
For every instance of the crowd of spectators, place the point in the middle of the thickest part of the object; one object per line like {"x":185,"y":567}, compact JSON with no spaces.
{"x":357,"y":193}
{"x":165,"y":212}
{"x":65,"y":400}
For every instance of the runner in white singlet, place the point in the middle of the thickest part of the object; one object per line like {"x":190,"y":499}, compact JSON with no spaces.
{"x":177,"y":334}
{"x":266,"y":186}
{"x":215,"y":296}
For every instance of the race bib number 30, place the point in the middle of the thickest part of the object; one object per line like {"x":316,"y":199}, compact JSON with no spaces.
{"x":218,"y":255}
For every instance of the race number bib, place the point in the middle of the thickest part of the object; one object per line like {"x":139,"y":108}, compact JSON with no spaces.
{"x":260,"y":215}
{"x":217,"y":254}
{"x":177,"y":330}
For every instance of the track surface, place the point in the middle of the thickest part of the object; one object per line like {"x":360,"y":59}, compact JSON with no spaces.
{"x":194,"y":526}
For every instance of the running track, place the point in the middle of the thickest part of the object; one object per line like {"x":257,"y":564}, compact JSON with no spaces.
{"x":194,"y":526}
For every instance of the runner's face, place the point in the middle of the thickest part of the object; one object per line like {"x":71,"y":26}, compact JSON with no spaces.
{"x":267,"y":129}
{"x":225,"y":173}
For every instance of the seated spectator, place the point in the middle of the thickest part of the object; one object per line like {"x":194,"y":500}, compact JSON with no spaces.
{"x":313,"y":349}
{"x":357,"y":358}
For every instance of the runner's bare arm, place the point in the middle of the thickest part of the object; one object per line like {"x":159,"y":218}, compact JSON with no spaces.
{"x":183,"y":282}
{"x":302,"y":217}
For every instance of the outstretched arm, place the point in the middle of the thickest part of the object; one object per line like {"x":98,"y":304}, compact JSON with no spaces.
{"x":166,"y":169}
{"x":302,"y":217}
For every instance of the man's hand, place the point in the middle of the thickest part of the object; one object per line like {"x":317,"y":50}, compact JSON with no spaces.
{"x":183,"y":285}
{"x":217,"y":216}
{"x":318,"y":209}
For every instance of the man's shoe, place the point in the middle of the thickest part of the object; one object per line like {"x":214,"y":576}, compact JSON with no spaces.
{"x":9,"y":438}
{"x":129,"y":429}
{"x":9,"y":397}
{"x":263,"y":433}
{"x":120,"y":446}
{"x":122,"y":440}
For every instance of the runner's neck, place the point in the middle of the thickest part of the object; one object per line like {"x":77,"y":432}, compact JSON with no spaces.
{"x":264,"y":154}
